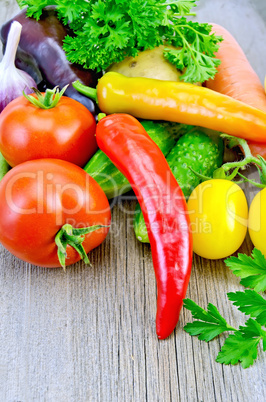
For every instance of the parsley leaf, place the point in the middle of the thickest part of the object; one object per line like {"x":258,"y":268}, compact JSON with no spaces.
{"x":184,"y":6}
{"x":107,"y":31}
{"x":211,"y":324}
{"x":250,"y":303}
{"x":197,"y":45}
{"x":34,"y":7}
{"x":242,"y":345}
{"x":252,"y":269}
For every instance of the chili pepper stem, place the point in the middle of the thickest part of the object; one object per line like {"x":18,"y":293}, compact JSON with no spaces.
{"x":85,"y":90}
{"x":74,"y":237}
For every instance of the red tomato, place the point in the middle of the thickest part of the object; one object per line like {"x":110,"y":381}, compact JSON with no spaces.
{"x":37,"y":198}
{"x":257,"y":148}
{"x":66,"y":131}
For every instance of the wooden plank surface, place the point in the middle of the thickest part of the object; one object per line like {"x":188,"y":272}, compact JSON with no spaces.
{"x":89,"y":334}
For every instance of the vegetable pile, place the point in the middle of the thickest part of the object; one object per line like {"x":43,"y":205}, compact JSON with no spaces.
{"x":88,"y":133}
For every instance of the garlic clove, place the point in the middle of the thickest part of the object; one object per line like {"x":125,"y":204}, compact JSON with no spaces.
{"x":12,"y":80}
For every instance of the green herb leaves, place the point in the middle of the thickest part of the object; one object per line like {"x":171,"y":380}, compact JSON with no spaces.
{"x":105,"y":32}
{"x":250,"y":303}
{"x":252,"y":269}
{"x":242,"y":345}
{"x":211,"y":322}
{"x":196,"y":52}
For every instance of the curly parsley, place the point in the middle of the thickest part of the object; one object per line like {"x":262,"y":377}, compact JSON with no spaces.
{"x":107,"y":31}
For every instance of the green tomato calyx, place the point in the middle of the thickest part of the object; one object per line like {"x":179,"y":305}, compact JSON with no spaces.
{"x":48,"y":100}
{"x":218,"y":174}
{"x":248,"y":159}
{"x":74,"y":237}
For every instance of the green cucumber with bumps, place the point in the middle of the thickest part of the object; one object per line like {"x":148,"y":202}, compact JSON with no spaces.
{"x":199,"y":149}
{"x":111,"y":180}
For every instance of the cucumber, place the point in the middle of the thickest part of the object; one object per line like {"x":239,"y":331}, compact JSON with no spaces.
{"x":111,"y":180}
{"x":199,"y":151}
{"x":4,"y":166}
{"x":195,"y":149}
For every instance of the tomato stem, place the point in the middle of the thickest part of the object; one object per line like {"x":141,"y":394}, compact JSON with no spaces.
{"x":253,"y":182}
{"x":223,"y":171}
{"x":74,"y":237}
{"x":48,"y":100}
{"x":48,"y":97}
{"x":248,"y":157}
{"x":258,"y":161}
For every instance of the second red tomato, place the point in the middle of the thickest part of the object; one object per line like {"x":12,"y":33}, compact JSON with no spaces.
{"x":66,"y":131}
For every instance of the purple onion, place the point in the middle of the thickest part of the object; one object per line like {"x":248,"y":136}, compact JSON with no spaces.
{"x":12,"y":80}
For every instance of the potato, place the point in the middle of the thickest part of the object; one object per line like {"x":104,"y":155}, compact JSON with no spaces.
{"x":150,"y":64}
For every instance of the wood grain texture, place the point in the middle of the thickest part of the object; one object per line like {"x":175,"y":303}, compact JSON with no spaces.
{"x":89,"y":334}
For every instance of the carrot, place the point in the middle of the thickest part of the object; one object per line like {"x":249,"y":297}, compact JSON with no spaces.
{"x":236,"y":78}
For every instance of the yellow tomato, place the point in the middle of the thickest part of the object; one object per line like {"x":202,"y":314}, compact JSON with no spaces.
{"x":257,"y":221}
{"x":218,"y":212}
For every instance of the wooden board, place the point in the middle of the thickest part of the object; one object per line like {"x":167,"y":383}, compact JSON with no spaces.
{"x":89,"y":334}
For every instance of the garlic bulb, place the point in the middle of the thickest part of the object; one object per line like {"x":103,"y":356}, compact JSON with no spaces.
{"x":12,"y":80}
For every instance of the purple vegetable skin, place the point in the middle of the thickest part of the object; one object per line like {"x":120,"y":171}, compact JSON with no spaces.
{"x":12,"y":80}
{"x":40,"y":54}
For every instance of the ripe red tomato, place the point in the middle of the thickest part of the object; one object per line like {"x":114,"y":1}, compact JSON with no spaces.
{"x":37,"y":198}
{"x":66,"y":131}
{"x":257,"y":148}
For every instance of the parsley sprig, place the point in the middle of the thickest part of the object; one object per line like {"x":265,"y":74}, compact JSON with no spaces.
{"x":241,"y":345}
{"x":107,"y":31}
{"x":210,"y":323}
{"x":250,"y":303}
{"x":252,"y":269}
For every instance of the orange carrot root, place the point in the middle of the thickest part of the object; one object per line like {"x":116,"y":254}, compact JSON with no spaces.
{"x":236,"y":78}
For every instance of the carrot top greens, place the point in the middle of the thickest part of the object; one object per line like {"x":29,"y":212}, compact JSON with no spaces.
{"x":107,"y":31}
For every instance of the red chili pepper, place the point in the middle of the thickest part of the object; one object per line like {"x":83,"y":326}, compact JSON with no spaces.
{"x":129,"y":147}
